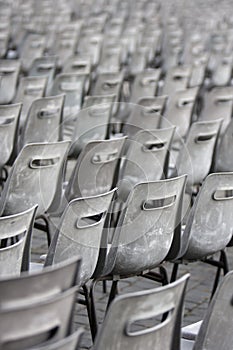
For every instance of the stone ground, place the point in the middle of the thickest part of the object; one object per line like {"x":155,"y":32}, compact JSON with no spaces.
{"x":196,"y":299}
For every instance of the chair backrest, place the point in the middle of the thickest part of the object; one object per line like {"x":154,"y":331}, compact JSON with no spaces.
{"x":37,"y":323}
{"x":9,"y":120}
{"x":72,"y":342}
{"x":209,"y":224}
{"x":44,"y":66}
{"x":92,"y":121}
{"x":72,"y":85}
{"x":44,"y":121}
{"x":33,"y":287}
{"x":79,"y":233}
{"x":15,"y":236}
{"x":222,"y":73}
{"x":29,"y":89}
{"x":146,"y":226}
{"x":196,"y":155}
{"x":78,"y":64}
{"x":176,"y":79}
{"x":215,"y":331}
{"x":223,"y":159}
{"x":9,"y":71}
{"x":145,"y":84}
{"x":95,"y":168}
{"x":147,"y":156}
{"x":179,"y":111}
{"x":35,"y":178}
{"x":32,"y":47}
{"x":145,"y":115}
{"x":218,"y":103}
{"x":119,"y":329}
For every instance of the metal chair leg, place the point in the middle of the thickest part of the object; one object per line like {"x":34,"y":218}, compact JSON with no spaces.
{"x":113,"y":292}
{"x":174,"y":272}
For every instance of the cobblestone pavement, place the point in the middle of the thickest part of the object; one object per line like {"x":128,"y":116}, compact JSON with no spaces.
{"x":196,"y":299}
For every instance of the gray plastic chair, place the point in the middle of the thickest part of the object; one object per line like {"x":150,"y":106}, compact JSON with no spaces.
{"x":34,"y":287}
{"x":29,"y":182}
{"x":145,"y":84}
{"x":179,"y":110}
{"x":72,"y":342}
{"x":44,"y":121}
{"x":119,"y":329}
{"x":29,"y":89}
{"x":218,"y":104}
{"x":32,"y":47}
{"x":145,"y":115}
{"x":72,"y":85}
{"x":95,"y":169}
{"x":208,"y":229}
{"x":176,"y":79}
{"x":79,"y":233}
{"x":9,"y":71}
{"x":223,"y":159}
{"x":146,"y":159}
{"x":15,"y":235}
{"x":92,"y":121}
{"x":197,"y":153}
{"x":9,"y":121}
{"x":221,"y":75}
{"x":214,"y":332}
{"x":44,"y":66}
{"x":37,"y":323}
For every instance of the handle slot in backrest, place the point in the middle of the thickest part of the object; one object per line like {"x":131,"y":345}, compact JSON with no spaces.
{"x":110,"y":84}
{"x":151,"y":109}
{"x":183,"y":102}
{"x":70,"y":86}
{"x":12,"y":240}
{"x":104,"y":157}
{"x":100,"y":109}
{"x":47,"y":113}
{"x":153,"y":146}
{"x":78,"y":65}
{"x":159,"y":203}
{"x":33,"y":90}
{"x":7,"y":121}
{"x":90,"y":221}
{"x":223,"y":194}
{"x":132,"y":328}
{"x":39,"y":163}
{"x":148,"y":81}
{"x":223,"y":99}
{"x":205,"y":137}
{"x":7,"y":70}
{"x":45,"y":66}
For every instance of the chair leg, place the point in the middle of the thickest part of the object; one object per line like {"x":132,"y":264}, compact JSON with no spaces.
{"x":104,"y":286}
{"x":163,"y":273}
{"x":113,"y":292}
{"x":45,"y":228}
{"x":93,"y":309}
{"x":174,"y":272}
{"x":89,"y":311}
{"x":223,"y":265}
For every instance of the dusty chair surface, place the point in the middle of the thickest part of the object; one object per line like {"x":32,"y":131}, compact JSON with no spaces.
{"x":95,"y":168}
{"x":119,"y":332}
{"x":44,"y":121}
{"x":92,"y":121}
{"x":196,"y":155}
{"x":145,"y":115}
{"x":71,"y":342}
{"x":208,"y":229}
{"x":37,"y":323}
{"x":29,"y":89}
{"x":15,"y":234}
{"x":146,"y":159}
{"x":34,"y":178}
{"x":144,"y":235}
{"x":215,"y":331}
{"x":35,"y":287}
{"x":9,"y":71}
{"x":79,"y":233}
{"x":218,"y":104}
{"x":223,"y":159}
{"x":9,"y":119}
{"x":145,"y":84}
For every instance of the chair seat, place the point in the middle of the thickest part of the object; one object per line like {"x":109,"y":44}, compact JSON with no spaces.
{"x":36,"y":266}
{"x":190,"y":332}
{"x":187,"y":344}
